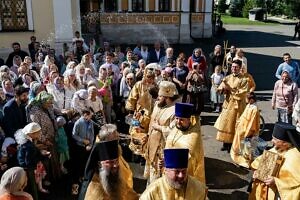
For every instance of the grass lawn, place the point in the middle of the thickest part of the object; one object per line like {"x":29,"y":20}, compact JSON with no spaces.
{"x":244,"y":21}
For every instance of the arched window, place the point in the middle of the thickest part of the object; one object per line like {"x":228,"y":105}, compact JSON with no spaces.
{"x":164,"y":5}
{"x":15,"y":15}
{"x":137,"y":5}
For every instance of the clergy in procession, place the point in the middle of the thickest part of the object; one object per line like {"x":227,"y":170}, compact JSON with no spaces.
{"x":286,"y":183}
{"x":139,"y":102}
{"x":235,"y":88}
{"x":175,"y":184}
{"x":185,"y":132}
{"x":107,"y":174}
{"x":163,"y":114}
{"x":247,"y":127}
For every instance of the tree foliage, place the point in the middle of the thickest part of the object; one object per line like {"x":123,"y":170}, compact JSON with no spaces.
{"x":222,"y":6}
{"x":235,"y":8}
{"x":249,"y":4}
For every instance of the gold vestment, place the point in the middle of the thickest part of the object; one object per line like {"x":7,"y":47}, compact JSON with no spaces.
{"x":233,"y":106}
{"x":160,"y":190}
{"x":157,"y":140}
{"x":192,"y":140}
{"x":287,"y":181}
{"x":95,"y":191}
{"x":247,"y":126}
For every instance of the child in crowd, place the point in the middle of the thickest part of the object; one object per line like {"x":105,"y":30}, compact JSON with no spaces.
{"x":62,"y":143}
{"x":216,"y":98}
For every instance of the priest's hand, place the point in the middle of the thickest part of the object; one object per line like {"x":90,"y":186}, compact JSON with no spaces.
{"x":254,"y":176}
{"x":270,"y":181}
{"x":157,"y":127}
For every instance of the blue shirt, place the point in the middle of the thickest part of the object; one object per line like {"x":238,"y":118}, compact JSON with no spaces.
{"x":292,"y":68}
{"x":83,"y":130}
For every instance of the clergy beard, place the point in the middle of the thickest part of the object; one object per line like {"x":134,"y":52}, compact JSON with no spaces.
{"x":162,"y":104}
{"x":175,"y":185}
{"x":110,"y":183}
{"x":182,"y":128}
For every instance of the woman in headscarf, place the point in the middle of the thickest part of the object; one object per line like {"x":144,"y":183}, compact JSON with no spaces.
{"x":35,"y":88}
{"x":79,"y":101}
{"x":86,"y":61}
{"x":13,"y":181}
{"x":199,"y":58}
{"x":8,"y":89}
{"x":26,"y":78}
{"x":29,"y":155}
{"x":50,"y":82}
{"x":40,"y":110}
{"x":95,"y":105}
{"x":70,"y":65}
{"x":70,"y":81}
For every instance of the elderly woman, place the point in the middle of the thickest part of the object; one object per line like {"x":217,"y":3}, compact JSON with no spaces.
{"x":40,"y":110}
{"x":35,"y":88}
{"x":79,"y":101}
{"x":94,"y":103}
{"x":199,"y":58}
{"x":86,"y":61}
{"x":59,"y":94}
{"x":285,"y":96}
{"x":13,"y":181}
{"x":179,"y":75}
{"x":196,"y":88}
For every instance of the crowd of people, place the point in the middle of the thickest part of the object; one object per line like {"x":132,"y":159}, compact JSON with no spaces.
{"x":64,"y":115}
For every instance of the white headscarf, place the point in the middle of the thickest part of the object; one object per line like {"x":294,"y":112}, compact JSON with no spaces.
{"x":13,"y":182}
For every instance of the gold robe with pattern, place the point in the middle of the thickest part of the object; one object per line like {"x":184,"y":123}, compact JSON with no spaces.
{"x":247,"y":126}
{"x":157,"y":140}
{"x":287,"y":181}
{"x":139,"y":99}
{"x":160,"y":190}
{"x":190,"y":139}
{"x":95,"y":191}
{"x":233,"y":106}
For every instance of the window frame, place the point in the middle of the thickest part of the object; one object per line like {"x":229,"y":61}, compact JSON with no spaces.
{"x":28,"y":16}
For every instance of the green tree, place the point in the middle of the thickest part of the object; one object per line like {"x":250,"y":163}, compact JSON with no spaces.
{"x":249,"y":4}
{"x":235,"y":8}
{"x":222,"y":6}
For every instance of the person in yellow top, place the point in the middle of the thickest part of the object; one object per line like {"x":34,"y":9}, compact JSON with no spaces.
{"x":185,"y":132}
{"x":106,"y":164}
{"x":235,"y":88}
{"x":162,"y":116}
{"x":175,"y":184}
{"x":247,"y":127}
{"x":286,"y":185}
{"x":249,"y":77}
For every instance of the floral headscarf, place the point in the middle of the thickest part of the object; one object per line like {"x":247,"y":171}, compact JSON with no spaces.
{"x":41,"y":98}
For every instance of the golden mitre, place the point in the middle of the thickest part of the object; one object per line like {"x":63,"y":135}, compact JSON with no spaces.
{"x":167,"y":89}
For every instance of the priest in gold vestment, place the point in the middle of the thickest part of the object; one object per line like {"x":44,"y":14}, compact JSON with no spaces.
{"x":140,"y":102}
{"x":185,"y":132}
{"x":235,"y":88}
{"x":286,"y":184}
{"x":163,"y":114}
{"x":247,"y":127}
{"x":175,"y":184}
{"x":104,"y":164}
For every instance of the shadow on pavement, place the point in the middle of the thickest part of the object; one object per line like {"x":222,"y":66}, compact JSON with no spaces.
{"x":223,"y":175}
{"x":264,"y":96}
{"x":208,"y":120}
{"x":236,"y":195}
{"x":139,"y":185}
